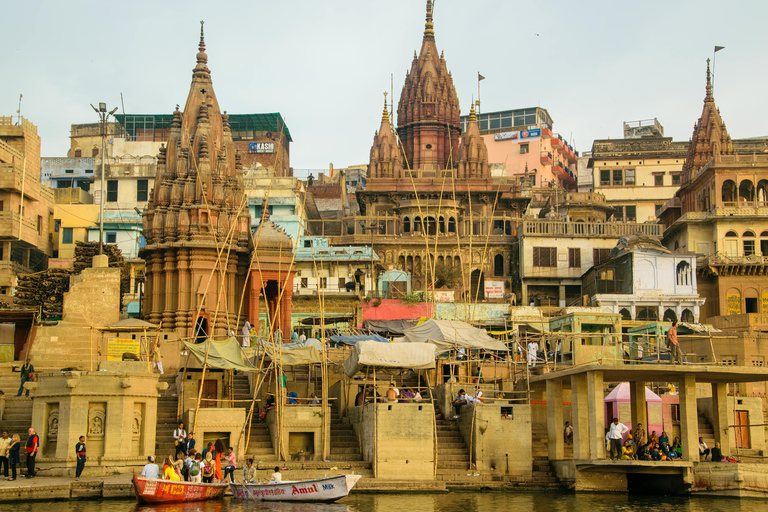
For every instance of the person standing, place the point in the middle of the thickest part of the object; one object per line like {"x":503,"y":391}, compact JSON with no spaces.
{"x":27,"y":374}
{"x":639,"y":435}
{"x":33,"y":443}
{"x":180,"y":438}
{"x":568,"y":433}
{"x":13,"y":454}
{"x":246,"y":334}
{"x":703,"y":448}
{"x":294,"y":336}
{"x":80,"y":455}
{"x":2,"y":405}
{"x":5,"y":443}
{"x":190,"y":442}
{"x":674,"y":346}
{"x":302,"y":337}
{"x":219,"y":449}
{"x":249,"y":472}
{"x":615,"y":435}
{"x":157,"y":358}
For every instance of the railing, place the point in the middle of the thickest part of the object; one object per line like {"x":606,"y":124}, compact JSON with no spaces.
{"x":724,"y":259}
{"x":542,"y":227}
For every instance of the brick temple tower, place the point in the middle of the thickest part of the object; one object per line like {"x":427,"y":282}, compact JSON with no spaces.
{"x":197,"y":224}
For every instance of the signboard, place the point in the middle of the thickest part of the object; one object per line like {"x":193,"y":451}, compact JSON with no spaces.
{"x":261,"y":147}
{"x":765,"y":303}
{"x":494,"y":289}
{"x":116,"y":347}
{"x":445,"y":296}
{"x":505,"y":135}
{"x":733,"y":300}
{"x":97,"y":197}
{"x":527,"y":134}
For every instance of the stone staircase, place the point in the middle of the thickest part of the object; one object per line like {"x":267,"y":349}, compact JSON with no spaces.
{"x":706,"y":432}
{"x":18,"y":410}
{"x":452,"y":453}
{"x":344,"y":443}
{"x":167,"y":422}
{"x":540,"y":446}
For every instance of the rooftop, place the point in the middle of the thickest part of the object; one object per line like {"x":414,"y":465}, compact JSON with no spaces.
{"x":244,"y":126}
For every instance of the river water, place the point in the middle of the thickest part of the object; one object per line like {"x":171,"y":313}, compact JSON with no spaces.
{"x":449,"y":502}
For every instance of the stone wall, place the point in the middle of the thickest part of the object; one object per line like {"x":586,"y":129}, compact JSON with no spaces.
{"x":302,"y":428}
{"x":214,"y":423}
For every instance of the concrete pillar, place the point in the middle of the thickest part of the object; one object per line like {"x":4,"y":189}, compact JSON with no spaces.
{"x":524,"y":298}
{"x":253,"y":309}
{"x":562,"y":295}
{"x":555,"y":443}
{"x":638,"y":407}
{"x":596,"y":412}
{"x":720,"y":416}
{"x":689,"y":418}
{"x":580,"y":417}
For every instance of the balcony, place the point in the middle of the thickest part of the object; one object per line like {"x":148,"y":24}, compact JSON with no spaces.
{"x":556,"y":142}
{"x":544,"y":227}
{"x":546,"y":133}
{"x":546,"y":158}
{"x":557,"y":169}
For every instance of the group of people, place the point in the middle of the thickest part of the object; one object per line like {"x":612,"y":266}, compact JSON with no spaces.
{"x":190,"y":466}
{"x":368,"y":395}
{"x":463,"y":399}
{"x":10,"y":454}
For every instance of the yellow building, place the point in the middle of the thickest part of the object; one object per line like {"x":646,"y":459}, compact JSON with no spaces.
{"x":73,"y":222}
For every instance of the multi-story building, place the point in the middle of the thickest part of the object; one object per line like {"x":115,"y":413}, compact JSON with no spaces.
{"x":523,"y":138}
{"x":285,"y":197}
{"x":570,"y":236}
{"x":324,"y":269}
{"x":721,"y":214}
{"x":639,"y":173}
{"x":26,"y":206}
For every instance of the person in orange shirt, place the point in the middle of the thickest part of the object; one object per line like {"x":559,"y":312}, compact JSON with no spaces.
{"x":220,"y":452}
{"x":674,"y":346}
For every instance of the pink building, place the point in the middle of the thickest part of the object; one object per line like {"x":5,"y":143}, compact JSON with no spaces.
{"x":522,"y":138}
{"x":617,"y":405}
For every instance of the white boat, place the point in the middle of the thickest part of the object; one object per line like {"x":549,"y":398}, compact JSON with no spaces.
{"x":320,"y":490}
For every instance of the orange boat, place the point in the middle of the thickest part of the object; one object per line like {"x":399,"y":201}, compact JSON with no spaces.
{"x":151,"y":490}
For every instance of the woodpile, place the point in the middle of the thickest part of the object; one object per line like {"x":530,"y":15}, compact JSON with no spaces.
{"x":44,"y":291}
{"x":84,"y":253}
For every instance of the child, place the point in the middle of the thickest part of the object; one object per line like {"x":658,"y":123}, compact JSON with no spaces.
{"x":196,"y":469}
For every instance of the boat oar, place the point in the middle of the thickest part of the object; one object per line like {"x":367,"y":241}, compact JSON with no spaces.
{"x":245,"y":486}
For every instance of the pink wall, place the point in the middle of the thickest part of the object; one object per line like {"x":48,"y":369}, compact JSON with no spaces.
{"x":394,"y":309}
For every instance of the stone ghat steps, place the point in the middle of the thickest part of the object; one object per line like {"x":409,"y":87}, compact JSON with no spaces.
{"x":18,"y":416}
{"x":167,"y":406}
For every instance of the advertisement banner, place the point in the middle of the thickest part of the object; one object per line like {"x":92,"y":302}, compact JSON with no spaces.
{"x":494,"y":289}
{"x":445,"y":296}
{"x":261,"y":147}
{"x":505,"y":135}
{"x":116,"y":347}
{"x":527,"y":134}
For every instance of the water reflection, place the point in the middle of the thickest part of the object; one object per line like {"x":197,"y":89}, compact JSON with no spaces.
{"x":538,"y":501}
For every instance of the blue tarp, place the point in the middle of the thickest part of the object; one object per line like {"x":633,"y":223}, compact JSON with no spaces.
{"x":351,"y":340}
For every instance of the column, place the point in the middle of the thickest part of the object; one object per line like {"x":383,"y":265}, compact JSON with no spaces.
{"x":555,"y":443}
{"x":720,"y":416}
{"x":580,"y":417}
{"x":562,"y":295}
{"x":596,"y":413}
{"x":638,"y":406}
{"x":285,"y":310}
{"x":524,"y":295}
{"x":253,"y":306}
{"x":689,"y":419}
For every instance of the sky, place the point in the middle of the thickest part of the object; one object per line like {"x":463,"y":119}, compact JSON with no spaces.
{"x":324,"y":65}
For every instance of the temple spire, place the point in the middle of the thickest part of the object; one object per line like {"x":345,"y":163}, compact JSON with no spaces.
{"x":429,"y":28}
{"x":385,"y":114}
{"x":709,"y":96}
{"x":472,"y":116}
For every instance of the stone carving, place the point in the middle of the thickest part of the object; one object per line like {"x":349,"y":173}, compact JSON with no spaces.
{"x":53,"y":424}
{"x":137,"y":420}
{"x":96,"y":420}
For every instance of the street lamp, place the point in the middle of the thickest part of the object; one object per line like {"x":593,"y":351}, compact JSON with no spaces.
{"x":103,"y":116}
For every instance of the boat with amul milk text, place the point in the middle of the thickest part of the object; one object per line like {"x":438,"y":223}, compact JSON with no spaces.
{"x":320,"y":490}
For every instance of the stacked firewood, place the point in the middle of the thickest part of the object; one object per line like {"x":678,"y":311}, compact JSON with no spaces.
{"x":44,"y":290}
{"x":85,"y":251}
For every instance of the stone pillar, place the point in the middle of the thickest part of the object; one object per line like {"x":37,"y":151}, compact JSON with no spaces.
{"x":555,"y":443}
{"x":253,"y":307}
{"x":638,"y":406}
{"x":720,"y":416}
{"x":184,"y":290}
{"x":562,"y":295}
{"x":580,"y":417}
{"x":171,"y":289}
{"x":285,"y":309}
{"x":596,"y":412}
{"x":158,"y":287}
{"x":524,"y":295}
{"x":689,"y":419}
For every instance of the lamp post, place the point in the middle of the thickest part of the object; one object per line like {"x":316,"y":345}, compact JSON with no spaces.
{"x":103,"y":117}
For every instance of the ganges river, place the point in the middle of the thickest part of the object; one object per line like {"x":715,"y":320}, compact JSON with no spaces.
{"x":448,"y":502}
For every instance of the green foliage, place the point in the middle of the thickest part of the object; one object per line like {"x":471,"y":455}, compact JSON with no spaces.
{"x":412,"y":298}
{"x":376,"y":303}
{"x":447,"y":275}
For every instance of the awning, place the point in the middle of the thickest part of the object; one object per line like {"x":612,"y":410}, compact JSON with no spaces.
{"x":221,"y":354}
{"x":353,"y":339}
{"x":130,"y":325}
{"x":390,"y":355}
{"x":393,"y":326}
{"x":294,"y":356}
{"x":452,"y":334}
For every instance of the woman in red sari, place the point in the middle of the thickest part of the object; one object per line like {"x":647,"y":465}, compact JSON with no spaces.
{"x":220,"y":451}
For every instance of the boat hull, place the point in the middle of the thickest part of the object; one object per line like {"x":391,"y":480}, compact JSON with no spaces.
{"x":320,"y":490}
{"x":150,"y":490}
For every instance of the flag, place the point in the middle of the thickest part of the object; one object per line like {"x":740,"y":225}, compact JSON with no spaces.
{"x":480,"y":77}
{"x":718,"y":48}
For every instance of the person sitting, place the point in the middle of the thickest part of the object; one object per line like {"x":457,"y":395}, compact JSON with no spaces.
{"x":642,"y":453}
{"x":276,"y":476}
{"x":313,"y":400}
{"x":169,"y":471}
{"x":150,"y":469}
{"x":655,"y":453}
{"x":391,"y":393}
{"x":416,"y":395}
{"x":460,"y":400}
{"x":626,"y":451}
{"x":664,"y":441}
{"x":293,"y":398}
{"x":653,"y":439}
{"x":231,"y":465}
{"x":717,"y":454}
{"x":249,"y":472}
{"x":477,"y":397}
{"x":677,"y":448}
{"x":703,"y":448}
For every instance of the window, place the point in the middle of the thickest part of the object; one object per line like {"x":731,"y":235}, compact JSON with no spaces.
{"x":342,"y":283}
{"x":758,"y":361}
{"x":544,"y":256}
{"x":676,"y":179}
{"x":523,"y":148}
{"x":69,"y":171}
{"x":675,"y":410}
{"x":600,"y":256}
{"x":78,"y":153}
{"x":728,"y":360}
{"x":142,"y":189}
{"x":574,"y":257}
{"x":39,"y":225}
{"x":304,"y":282}
{"x":66,"y":236}
{"x":95,"y":152}
{"x":112,"y":191}
{"x":605,"y":177}
{"x":658,"y":209}
{"x":631,"y":212}
{"x":89,"y":171}
{"x":307,"y":243}
{"x":111,"y":237}
{"x":629,"y":177}
{"x":658,"y":180}
{"x":618,"y":213}
{"x":617,"y":181}
{"x":2,"y":206}
{"x":323,"y":283}
{"x":749,"y":247}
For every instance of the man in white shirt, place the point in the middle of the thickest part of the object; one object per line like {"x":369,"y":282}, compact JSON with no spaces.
{"x":703,"y":449}
{"x":246,"y":334}
{"x":477,"y":397}
{"x":302,"y":337}
{"x":276,"y":476}
{"x":180,"y":438}
{"x":150,"y":469}
{"x":615,"y":435}
{"x":533,"y":348}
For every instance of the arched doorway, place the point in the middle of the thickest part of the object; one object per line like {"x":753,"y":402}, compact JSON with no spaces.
{"x":728,"y":192}
{"x":670,"y":315}
{"x":687,"y":316}
{"x":477,"y":285}
{"x":498,"y":265}
{"x":646,"y":314}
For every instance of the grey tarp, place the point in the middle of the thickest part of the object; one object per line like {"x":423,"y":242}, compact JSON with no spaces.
{"x":393,"y":326}
{"x":389,"y":355}
{"x":225,"y":354}
{"x":348,"y":339}
{"x":452,"y":334}
{"x":294,"y":356}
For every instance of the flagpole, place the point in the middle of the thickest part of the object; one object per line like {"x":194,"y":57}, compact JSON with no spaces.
{"x":714,"y":56}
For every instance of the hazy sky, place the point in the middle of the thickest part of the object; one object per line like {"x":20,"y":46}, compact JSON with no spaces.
{"x":325,"y":64}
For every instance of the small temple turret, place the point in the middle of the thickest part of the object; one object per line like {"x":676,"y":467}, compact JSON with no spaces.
{"x":386,"y":159}
{"x":473,"y":155}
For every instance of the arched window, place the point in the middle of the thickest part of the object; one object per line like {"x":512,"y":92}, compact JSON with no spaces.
{"x":749,"y":243}
{"x":95,"y":151}
{"x":762,"y":191}
{"x":728,"y":191}
{"x":625,"y":314}
{"x":451,"y":225}
{"x":646,"y":313}
{"x":457,"y":261}
{"x":417,"y":227}
{"x":732,"y":234}
{"x":442,"y":225}
{"x":687,"y":316}
{"x":78,"y":153}
{"x":498,"y":265}
{"x":746,"y":191}
{"x":477,"y":286}
{"x":406,"y":225}
{"x":670,"y":316}
{"x":683,"y":273}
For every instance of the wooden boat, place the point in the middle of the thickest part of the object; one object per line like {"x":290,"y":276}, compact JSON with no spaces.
{"x":151,"y":490}
{"x":320,"y":490}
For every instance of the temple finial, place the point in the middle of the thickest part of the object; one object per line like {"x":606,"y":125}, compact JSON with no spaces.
{"x":472,"y":116}
{"x":708,"y":97}
{"x":201,"y":46}
{"x":202,"y":57}
{"x":385,"y":114}
{"x":429,"y":28}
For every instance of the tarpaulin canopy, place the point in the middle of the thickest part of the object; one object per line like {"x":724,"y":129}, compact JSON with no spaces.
{"x":309,"y":342}
{"x":222,"y":354}
{"x":452,"y":334}
{"x":353,"y":339}
{"x":393,"y":326}
{"x":294,"y":356}
{"x":390,"y":355}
